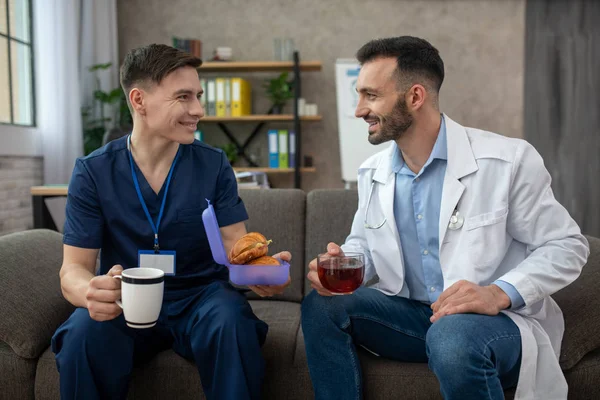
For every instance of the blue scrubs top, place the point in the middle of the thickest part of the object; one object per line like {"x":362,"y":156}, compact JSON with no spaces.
{"x":103,"y":211}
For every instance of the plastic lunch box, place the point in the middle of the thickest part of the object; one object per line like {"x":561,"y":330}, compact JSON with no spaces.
{"x":241,"y":274}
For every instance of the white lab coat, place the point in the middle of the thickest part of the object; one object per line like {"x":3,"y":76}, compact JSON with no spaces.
{"x":513,"y":230}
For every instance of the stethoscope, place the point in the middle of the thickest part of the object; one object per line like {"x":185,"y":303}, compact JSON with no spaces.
{"x":456,"y":220}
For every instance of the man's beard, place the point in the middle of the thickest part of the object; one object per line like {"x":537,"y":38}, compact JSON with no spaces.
{"x":393,"y":125}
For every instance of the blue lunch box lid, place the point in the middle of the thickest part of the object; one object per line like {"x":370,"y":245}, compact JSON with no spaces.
{"x":211,"y":226}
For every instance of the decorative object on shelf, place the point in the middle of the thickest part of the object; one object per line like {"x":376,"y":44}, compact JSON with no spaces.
{"x":301,"y":104}
{"x":99,"y":129}
{"x":308,"y":161}
{"x":279,"y":90}
{"x":252,"y":180}
{"x":283,"y":49}
{"x":222,"y":54}
{"x":310,"y":110}
{"x":192,"y":46}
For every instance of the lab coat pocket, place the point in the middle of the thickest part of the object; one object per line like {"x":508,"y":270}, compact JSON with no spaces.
{"x":487,"y":235}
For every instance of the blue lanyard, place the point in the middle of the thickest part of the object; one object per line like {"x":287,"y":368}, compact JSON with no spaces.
{"x":141,"y":198}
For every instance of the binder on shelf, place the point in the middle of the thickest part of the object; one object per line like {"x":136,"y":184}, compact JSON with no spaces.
{"x":228,"y":97}
{"x":211,"y":106}
{"x":283,"y":149}
{"x":203,"y":98}
{"x":220,"y":98}
{"x":273,"y":149}
{"x":292,"y":149}
{"x":241,"y":101}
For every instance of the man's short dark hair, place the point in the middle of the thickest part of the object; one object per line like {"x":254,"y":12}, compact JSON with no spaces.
{"x":152,"y":63}
{"x":417,"y":59}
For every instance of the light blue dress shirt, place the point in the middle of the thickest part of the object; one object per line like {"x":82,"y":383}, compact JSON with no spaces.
{"x":417,"y":203}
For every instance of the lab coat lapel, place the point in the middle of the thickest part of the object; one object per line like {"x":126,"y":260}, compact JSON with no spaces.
{"x":385,"y":185}
{"x":461,"y":162}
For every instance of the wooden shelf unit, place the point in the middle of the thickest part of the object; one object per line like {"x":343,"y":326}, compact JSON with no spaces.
{"x":50,"y":190}
{"x":274,"y":170}
{"x":296,"y":67}
{"x":257,"y":66}
{"x":262,"y":118}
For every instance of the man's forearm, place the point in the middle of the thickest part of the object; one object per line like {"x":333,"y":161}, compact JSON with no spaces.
{"x":74,"y":282}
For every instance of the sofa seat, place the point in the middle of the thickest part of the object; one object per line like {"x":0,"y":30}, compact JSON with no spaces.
{"x":169,"y":375}
{"x":386,"y":379}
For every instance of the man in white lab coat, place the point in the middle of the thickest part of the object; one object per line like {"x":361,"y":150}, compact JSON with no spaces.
{"x":465,"y":240}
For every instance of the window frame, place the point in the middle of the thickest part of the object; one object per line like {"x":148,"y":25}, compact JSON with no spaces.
{"x":10,"y":39}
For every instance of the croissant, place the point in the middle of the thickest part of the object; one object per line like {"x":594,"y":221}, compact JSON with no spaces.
{"x":249,"y":247}
{"x":264,"y":260}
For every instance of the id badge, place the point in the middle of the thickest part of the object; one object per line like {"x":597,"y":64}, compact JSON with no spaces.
{"x":164,"y":260}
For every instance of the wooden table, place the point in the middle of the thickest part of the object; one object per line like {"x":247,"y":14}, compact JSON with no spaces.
{"x":41,"y":216}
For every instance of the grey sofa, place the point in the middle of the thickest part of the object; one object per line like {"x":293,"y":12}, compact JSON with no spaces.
{"x":31,"y":308}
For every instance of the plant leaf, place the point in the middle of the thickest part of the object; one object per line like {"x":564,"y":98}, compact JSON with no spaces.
{"x":97,"y":67}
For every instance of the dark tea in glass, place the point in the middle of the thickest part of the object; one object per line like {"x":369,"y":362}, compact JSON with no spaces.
{"x":341,"y":274}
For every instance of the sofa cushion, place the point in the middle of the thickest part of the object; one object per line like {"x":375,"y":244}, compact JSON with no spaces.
{"x":32,"y":305}
{"x":170,"y":376}
{"x":580,"y":305}
{"x":17,"y":375}
{"x":583,"y":377}
{"x":279,"y":215}
{"x":329,"y":215}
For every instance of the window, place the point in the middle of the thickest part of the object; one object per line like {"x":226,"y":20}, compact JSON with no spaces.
{"x":16,"y":63}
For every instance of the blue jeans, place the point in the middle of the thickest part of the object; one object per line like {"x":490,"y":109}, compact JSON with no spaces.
{"x":215,"y":328}
{"x":473,"y":356}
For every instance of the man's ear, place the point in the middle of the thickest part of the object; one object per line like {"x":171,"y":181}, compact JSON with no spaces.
{"x":416,"y":97}
{"x":136,"y":99}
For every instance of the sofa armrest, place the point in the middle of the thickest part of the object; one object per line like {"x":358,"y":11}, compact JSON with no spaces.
{"x":31,"y":301}
{"x":580,"y":305}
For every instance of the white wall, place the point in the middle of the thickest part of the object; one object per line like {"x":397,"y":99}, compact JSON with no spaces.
{"x":20,"y":141}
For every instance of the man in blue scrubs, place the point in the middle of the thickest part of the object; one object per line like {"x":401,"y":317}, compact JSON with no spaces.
{"x":146,"y":192}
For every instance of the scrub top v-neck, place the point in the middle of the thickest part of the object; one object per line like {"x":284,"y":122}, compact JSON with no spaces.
{"x":104,"y":212}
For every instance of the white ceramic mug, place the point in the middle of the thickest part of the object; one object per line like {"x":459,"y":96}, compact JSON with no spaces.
{"x":141,"y":296}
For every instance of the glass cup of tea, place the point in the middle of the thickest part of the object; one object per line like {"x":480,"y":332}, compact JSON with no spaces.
{"x":341,"y":274}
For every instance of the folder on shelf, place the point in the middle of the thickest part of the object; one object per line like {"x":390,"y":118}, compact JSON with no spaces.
{"x":220,"y":97}
{"x":211,"y":106}
{"x":241,"y":100}
{"x":227,"y":97}
{"x":283,"y":149}
{"x":203,"y":98}
{"x":292,"y":149}
{"x":273,"y":149}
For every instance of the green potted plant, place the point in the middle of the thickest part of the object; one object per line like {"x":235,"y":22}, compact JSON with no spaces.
{"x":231,"y":151}
{"x":279,"y":90}
{"x":95,"y":124}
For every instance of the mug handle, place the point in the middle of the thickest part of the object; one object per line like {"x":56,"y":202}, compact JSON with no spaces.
{"x":119,"y":303}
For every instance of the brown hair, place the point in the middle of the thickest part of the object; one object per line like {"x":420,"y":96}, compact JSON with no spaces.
{"x":151,"y":64}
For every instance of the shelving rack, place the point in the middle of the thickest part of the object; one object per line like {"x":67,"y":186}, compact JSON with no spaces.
{"x":267,"y":66}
